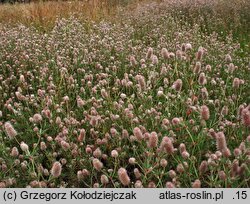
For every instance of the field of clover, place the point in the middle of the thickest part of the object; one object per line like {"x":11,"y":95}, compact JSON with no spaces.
{"x":149,"y":101}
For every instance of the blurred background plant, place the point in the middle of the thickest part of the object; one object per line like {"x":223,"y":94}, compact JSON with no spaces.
{"x":220,"y":16}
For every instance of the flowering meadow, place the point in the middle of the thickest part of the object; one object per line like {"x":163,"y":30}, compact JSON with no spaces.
{"x":158,"y":97}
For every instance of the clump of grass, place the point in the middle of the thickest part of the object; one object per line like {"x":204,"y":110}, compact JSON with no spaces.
{"x":43,"y":15}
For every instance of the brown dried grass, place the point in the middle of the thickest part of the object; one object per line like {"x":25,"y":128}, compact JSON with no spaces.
{"x":44,"y":14}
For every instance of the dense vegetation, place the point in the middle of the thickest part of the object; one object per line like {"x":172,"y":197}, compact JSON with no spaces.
{"x":150,"y":95}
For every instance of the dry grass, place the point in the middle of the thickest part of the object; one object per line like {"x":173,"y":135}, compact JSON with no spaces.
{"x":44,"y":14}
